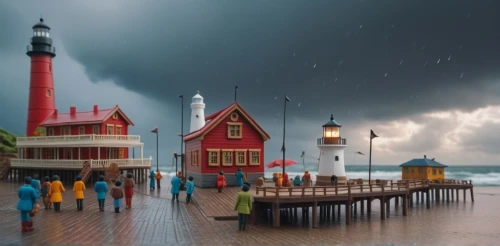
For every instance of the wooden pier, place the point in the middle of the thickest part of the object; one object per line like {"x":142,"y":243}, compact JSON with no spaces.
{"x":329,"y":200}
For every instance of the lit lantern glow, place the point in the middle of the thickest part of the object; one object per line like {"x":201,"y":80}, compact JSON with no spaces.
{"x":331,"y":129}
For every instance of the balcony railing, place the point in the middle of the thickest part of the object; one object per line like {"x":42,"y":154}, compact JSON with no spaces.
{"x":48,"y":49}
{"x":92,"y":139}
{"x":332,"y":141}
{"x":78,"y":164}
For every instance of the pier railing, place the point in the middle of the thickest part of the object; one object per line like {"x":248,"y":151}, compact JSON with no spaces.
{"x":78,"y":164}
{"x":353,"y":187}
{"x":340,"y":141}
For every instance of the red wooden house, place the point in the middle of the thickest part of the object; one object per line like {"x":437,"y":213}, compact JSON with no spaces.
{"x":229,"y":140}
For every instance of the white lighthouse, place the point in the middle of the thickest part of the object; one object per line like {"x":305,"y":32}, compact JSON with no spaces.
{"x":197,"y":113}
{"x":331,"y":146}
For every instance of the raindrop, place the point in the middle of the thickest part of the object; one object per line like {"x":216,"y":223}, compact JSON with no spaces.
{"x":401,"y":62}
{"x":314,"y":66}
{"x":425,"y":64}
{"x":357,"y":87}
{"x":385,"y":75}
{"x":392,"y":26}
{"x":324,"y":83}
{"x":438,"y":60}
{"x":360,"y":26}
{"x":335,"y":79}
{"x":299,"y":105}
{"x":341,"y":62}
{"x":275,"y":98}
{"x":449,"y":58}
{"x":206,"y":63}
{"x":423,"y":47}
{"x":467,"y":16}
{"x":293,"y":54}
{"x":461,"y":75}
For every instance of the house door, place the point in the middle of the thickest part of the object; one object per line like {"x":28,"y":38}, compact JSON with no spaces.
{"x":121,"y":153}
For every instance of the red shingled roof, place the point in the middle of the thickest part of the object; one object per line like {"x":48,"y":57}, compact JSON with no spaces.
{"x":215,"y":118}
{"x":87,"y":117}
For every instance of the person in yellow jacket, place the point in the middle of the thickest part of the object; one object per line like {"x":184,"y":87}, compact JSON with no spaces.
{"x":158,"y":178}
{"x":280,"y":180}
{"x":55,"y":193}
{"x":243,"y":206}
{"x":78,"y":188}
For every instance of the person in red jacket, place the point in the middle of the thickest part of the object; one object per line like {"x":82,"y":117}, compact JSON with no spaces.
{"x":285,"y":180}
{"x":221,"y":181}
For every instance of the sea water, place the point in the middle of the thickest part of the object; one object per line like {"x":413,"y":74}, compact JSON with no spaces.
{"x":480,"y":175}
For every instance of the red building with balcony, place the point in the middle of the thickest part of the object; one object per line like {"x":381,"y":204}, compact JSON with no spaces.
{"x":68,"y":144}
{"x":225,"y":141}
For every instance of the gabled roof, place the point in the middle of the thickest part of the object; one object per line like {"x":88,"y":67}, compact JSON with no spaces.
{"x":86,"y":117}
{"x":424,"y":162}
{"x":215,"y":118}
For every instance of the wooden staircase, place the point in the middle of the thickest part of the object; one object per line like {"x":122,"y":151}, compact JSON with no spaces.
{"x":86,"y":172}
{"x":4,"y":167}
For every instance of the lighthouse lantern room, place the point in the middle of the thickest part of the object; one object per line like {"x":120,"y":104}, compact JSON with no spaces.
{"x":332,"y":147}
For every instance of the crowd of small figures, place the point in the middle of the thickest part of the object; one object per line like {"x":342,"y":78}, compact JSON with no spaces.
{"x":282,"y":180}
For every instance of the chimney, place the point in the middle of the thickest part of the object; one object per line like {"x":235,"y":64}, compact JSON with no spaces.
{"x":96,"y":109}
{"x":72,"y":111}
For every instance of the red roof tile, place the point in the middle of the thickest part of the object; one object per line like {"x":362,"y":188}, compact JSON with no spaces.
{"x":217,"y":117}
{"x":86,"y":117}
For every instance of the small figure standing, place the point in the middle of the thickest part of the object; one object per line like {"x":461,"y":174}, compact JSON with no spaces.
{"x":45,"y":193}
{"x":243,"y":206}
{"x":260,"y":182}
{"x":285,"y":180}
{"x":27,"y":202}
{"x":189,"y":189}
{"x":280,"y":180}
{"x":78,"y":188}
{"x":275,"y":178}
{"x":101,"y":188}
{"x":239,"y":177}
{"x":176,"y":187}
{"x":55,"y":193}
{"x":35,"y":184}
{"x":296,"y":181}
{"x":152,"y":180}
{"x":129,"y":190}
{"x":306,"y":179}
{"x":117,"y":194}
{"x":221,"y":181}
{"x":158,"y":178}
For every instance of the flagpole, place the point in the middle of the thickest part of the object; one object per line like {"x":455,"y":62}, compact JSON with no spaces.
{"x":284,"y":125}
{"x":157,"y":167}
{"x":235,"y":91}
{"x":182,"y":137}
{"x":370,"y":161}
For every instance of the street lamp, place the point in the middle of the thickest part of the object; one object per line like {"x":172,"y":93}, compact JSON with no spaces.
{"x":175,"y":156}
{"x":182,"y":136}
{"x":284,"y":121}
{"x":156,"y":131}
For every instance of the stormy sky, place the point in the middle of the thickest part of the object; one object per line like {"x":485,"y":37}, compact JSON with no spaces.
{"x":422,"y":74}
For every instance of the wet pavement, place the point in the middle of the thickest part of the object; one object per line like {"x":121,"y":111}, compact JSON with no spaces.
{"x":155,"y":220}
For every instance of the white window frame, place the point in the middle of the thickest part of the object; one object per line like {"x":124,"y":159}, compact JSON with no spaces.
{"x":250,"y":156}
{"x":210,"y":155}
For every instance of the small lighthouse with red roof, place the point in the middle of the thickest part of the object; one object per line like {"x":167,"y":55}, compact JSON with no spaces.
{"x":41,"y":97}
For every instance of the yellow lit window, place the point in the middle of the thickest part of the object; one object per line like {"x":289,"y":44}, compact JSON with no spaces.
{"x":234,"y":130}
{"x":241,"y":159}
{"x":213,"y":157}
{"x":227,"y":156}
{"x":254,"y":157}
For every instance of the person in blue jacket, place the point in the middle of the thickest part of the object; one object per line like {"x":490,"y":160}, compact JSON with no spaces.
{"x":176,"y":187}
{"x":152,"y":176}
{"x":27,"y":202}
{"x":189,"y":189}
{"x":296,"y":181}
{"x":239,"y":177}
{"x":101,"y":188}
{"x":35,"y":184}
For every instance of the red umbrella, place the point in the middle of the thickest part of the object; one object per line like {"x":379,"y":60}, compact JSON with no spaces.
{"x":279,"y":163}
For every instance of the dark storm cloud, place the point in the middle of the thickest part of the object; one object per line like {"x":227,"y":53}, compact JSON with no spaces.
{"x":375,"y":58}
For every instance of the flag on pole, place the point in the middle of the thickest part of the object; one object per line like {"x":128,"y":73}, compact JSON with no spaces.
{"x":287,"y":99}
{"x":360,"y":153}
{"x":181,"y":96}
{"x":155,"y":130}
{"x":372,"y":134}
{"x":236,"y":87}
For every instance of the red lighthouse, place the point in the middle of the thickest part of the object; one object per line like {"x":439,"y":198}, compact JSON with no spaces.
{"x":41,"y":98}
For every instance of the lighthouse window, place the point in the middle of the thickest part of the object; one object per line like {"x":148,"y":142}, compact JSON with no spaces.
{"x":336,"y":158}
{"x":48,"y":93}
{"x":234,"y":130}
